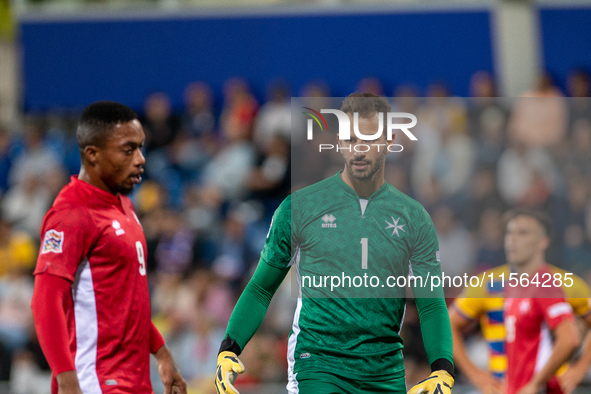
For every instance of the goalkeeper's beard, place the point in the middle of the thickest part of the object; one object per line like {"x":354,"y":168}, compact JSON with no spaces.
{"x":369,"y":172}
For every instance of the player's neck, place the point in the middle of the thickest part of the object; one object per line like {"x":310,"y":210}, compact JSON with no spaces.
{"x":92,"y":178}
{"x":530,"y":267}
{"x":364,"y":189}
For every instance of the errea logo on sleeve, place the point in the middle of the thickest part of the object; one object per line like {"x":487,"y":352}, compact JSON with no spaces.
{"x":117,"y":226}
{"x":52,"y":242}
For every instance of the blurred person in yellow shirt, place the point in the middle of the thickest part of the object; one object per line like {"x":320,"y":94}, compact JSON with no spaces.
{"x":18,"y":253}
{"x":17,"y":250}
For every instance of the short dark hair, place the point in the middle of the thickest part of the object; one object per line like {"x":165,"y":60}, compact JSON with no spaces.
{"x":365,"y":104}
{"x":97,"y":121}
{"x":542,"y":218}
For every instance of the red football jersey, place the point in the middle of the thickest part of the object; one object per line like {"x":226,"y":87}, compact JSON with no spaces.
{"x":94,"y":239}
{"x":529,"y":323}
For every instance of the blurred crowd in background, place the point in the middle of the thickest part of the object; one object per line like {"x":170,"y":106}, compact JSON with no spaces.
{"x":218,"y":169}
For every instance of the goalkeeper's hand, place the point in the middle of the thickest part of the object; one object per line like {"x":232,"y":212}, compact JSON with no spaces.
{"x":229,"y":366}
{"x":439,"y":382}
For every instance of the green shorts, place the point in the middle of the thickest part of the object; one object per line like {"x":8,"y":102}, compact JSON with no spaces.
{"x":327,"y":383}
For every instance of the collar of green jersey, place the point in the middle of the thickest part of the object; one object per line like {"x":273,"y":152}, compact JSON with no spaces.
{"x":349,"y":190}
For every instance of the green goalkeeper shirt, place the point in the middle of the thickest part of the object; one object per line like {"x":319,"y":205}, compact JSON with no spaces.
{"x":352,"y":257}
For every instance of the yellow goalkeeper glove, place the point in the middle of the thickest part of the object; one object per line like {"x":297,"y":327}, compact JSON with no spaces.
{"x":439,"y":382}
{"x":229,"y":366}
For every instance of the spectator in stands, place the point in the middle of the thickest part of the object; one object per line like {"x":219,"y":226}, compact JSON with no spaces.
{"x":578,"y":83}
{"x":456,"y":245}
{"x":577,"y":159}
{"x":225,"y":176}
{"x":487,"y":118}
{"x":160,"y":125}
{"x":396,"y":176}
{"x":266,"y":360}
{"x":26,"y":203}
{"x":162,"y":128}
{"x":490,"y":240}
{"x":405,"y":99}
{"x":213,"y":296}
{"x":539,"y":118}
{"x":36,"y":160}
{"x":174,"y":249}
{"x":444,"y":152}
{"x":274,"y":117}
{"x":490,"y":124}
{"x":316,"y":88}
{"x":234,"y":257}
{"x":270,"y":180}
{"x":525,"y":176}
{"x":198,"y":119}
{"x":35,"y":178}
{"x":370,"y":85}
{"x":196,"y":348}
{"x":192,"y":313}
{"x":18,"y":251}
{"x":482,"y":85}
{"x":545,"y":86}
{"x":30,"y":371}
{"x":195,"y":144}
{"x":311,"y":167}
{"x":240,"y":107}
{"x":316,"y":95}
{"x":576,"y":252}
{"x":16,"y":318}
{"x":579,"y":201}
{"x":483,"y":195}
{"x":5,"y":157}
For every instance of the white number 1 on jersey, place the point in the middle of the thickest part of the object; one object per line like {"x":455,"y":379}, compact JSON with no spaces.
{"x":140,"y":256}
{"x":363,"y":253}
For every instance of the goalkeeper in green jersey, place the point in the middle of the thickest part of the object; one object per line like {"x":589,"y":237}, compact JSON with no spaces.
{"x":350,"y":226}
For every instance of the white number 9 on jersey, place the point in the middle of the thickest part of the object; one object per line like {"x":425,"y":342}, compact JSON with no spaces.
{"x":140,"y":256}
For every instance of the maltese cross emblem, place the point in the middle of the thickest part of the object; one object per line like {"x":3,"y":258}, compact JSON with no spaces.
{"x":395,"y":226}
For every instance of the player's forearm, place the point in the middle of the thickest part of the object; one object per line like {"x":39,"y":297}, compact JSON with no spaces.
{"x":245,"y":320}
{"x":461,"y":358}
{"x":67,"y":383}
{"x":252,"y":305}
{"x":436,"y":332}
{"x":585,"y":360}
{"x":566,"y":342}
{"x":50,"y":321}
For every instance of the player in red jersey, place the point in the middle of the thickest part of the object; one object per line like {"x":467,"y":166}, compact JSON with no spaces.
{"x":534,"y":314}
{"x":91,"y":303}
